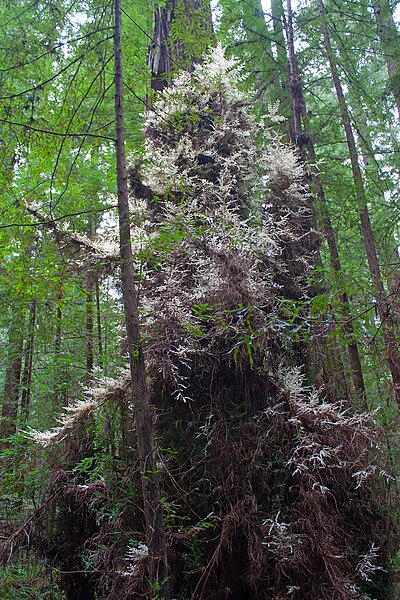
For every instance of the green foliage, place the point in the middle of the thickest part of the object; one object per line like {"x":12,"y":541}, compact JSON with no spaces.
{"x":28,"y":582}
{"x":22,"y":474}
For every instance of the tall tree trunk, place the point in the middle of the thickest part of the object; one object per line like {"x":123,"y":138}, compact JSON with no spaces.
{"x":9,"y":412}
{"x":303,"y":139}
{"x":166,"y":55}
{"x":59,"y":314}
{"x":296,"y":88}
{"x":159,"y":57}
{"x":383,"y":307}
{"x":59,"y":391}
{"x":394,"y":282}
{"x":144,"y":418}
{"x":89,"y":328}
{"x":89,"y":341}
{"x":277,"y":15}
{"x":391,"y":251}
{"x":389,"y":38}
{"x":28,"y":363}
{"x":99,"y":331}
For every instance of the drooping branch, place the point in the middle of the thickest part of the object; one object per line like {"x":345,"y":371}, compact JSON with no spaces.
{"x":104,"y":253}
{"x":106,"y":391}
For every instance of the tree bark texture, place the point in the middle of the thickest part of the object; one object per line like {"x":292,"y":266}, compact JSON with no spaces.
{"x":383,"y":307}
{"x":169,"y":53}
{"x":159,"y":58}
{"x":144,"y":418}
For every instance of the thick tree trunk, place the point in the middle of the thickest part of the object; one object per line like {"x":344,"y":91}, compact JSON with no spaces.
{"x":144,"y":418}
{"x":166,"y":55}
{"x":392,"y":354}
{"x":28,"y":364}
{"x":302,"y":139}
{"x":159,"y":57}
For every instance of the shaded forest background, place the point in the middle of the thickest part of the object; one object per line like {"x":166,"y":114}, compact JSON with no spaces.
{"x":200,"y":285}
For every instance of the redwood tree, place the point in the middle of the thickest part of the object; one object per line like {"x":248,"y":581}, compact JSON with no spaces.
{"x":143,"y":413}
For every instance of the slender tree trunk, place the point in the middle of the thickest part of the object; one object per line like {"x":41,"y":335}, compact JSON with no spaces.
{"x":345,"y":310}
{"x":303,"y":139}
{"x":296,"y":88}
{"x":28,"y":363}
{"x":392,"y":354}
{"x":389,"y":38}
{"x":277,"y":14}
{"x":89,"y":336}
{"x":58,"y":338}
{"x":58,"y":386}
{"x":9,"y":412}
{"x":99,"y":331}
{"x":144,"y":418}
{"x":392,"y":271}
{"x":89,"y":333}
{"x":394,"y":282}
{"x":266,"y":71}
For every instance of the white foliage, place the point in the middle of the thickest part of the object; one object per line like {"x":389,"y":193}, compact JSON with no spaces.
{"x":367,"y":566}
{"x":284,"y":166}
{"x":105,"y":248}
{"x":362,"y":476}
{"x":317,"y":426}
{"x":71,"y":417}
{"x":279,"y":540}
{"x":135,"y":554}
{"x":210,"y":177}
{"x":75,"y":413}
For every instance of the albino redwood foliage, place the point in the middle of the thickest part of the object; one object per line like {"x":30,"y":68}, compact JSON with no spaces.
{"x":209,"y":241}
{"x":273,"y":480}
